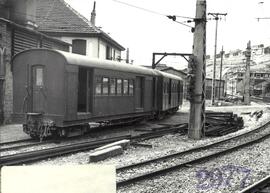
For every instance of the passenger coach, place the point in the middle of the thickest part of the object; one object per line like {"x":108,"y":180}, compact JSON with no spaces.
{"x":59,"y":93}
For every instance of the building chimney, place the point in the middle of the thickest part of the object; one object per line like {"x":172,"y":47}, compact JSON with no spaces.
{"x":93,"y":15}
{"x":23,"y":12}
{"x":127,"y":56}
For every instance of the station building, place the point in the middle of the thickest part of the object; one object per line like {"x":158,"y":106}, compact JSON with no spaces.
{"x":57,"y":19}
{"x":18,"y":32}
{"x":51,"y":24}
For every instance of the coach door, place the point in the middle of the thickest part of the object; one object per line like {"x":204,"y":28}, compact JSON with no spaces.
{"x":38,"y":98}
{"x":139,"y":92}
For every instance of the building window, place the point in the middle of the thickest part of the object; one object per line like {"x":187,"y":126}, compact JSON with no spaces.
{"x":98,"y":85}
{"x":114,"y":54}
{"x":79,"y":46}
{"x":108,"y":53}
{"x":119,"y":86}
{"x":112,"y":86}
{"x":105,"y":86}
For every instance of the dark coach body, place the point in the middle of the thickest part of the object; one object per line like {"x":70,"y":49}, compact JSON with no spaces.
{"x":57,"y":92}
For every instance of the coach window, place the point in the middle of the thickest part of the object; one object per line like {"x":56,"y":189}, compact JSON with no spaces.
{"x":39,"y":76}
{"x":131,"y":87}
{"x":98,"y":85}
{"x":112,"y":86}
{"x":119,"y":86}
{"x":125,"y":87}
{"x":105,"y":86}
{"x":164,"y":87}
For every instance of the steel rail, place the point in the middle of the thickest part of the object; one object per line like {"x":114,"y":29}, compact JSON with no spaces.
{"x":18,"y":141}
{"x":258,"y":186}
{"x":31,"y":156}
{"x":197,"y":160}
{"x":56,"y":151}
{"x":192,"y":150}
{"x":24,"y":146}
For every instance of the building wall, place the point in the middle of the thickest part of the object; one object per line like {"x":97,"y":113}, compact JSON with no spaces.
{"x":256,"y":83}
{"x":219,"y":89}
{"x":6,"y":95}
{"x":8,"y":48}
{"x":102,"y":50}
{"x":95,"y":47}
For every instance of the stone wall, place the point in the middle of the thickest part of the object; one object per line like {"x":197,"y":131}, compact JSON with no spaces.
{"x":6,"y":95}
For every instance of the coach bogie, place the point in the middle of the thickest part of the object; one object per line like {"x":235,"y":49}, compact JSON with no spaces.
{"x":37,"y":126}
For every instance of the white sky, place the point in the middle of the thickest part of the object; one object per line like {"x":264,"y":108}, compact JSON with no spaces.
{"x":144,"y":32}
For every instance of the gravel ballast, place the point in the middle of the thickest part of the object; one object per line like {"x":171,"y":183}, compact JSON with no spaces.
{"x":254,"y":158}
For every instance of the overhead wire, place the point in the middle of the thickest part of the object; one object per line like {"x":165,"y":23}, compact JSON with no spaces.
{"x":141,"y":8}
{"x":173,"y":17}
{"x":46,"y":18}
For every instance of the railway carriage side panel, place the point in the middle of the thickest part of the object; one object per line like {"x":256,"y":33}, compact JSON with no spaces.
{"x":148,"y":94}
{"x":166,"y":94}
{"x":71,"y":77}
{"x":39,"y":84}
{"x":180,"y":92}
{"x":113,"y":93}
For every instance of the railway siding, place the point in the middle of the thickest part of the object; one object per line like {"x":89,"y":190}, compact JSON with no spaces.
{"x":187,"y":180}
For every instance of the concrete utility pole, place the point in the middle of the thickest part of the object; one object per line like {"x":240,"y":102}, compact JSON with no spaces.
{"x":216,"y":17}
{"x":220,"y":74}
{"x":197,"y":76}
{"x":247,"y":75}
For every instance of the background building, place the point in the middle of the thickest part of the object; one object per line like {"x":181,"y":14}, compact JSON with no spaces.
{"x":57,"y":19}
{"x":17,"y":33}
{"x":220,"y":86}
{"x":234,"y":66}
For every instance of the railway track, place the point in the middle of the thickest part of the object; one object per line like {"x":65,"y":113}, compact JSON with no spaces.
{"x":32,"y":156}
{"x":18,"y":141}
{"x":262,"y":186}
{"x":147,"y":169}
{"x":13,"y":148}
{"x":259,"y":100}
{"x":27,"y":157}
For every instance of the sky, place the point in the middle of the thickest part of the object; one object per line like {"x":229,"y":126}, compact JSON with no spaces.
{"x":149,"y":30}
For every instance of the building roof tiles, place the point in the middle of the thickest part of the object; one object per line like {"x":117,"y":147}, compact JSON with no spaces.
{"x":56,"y":16}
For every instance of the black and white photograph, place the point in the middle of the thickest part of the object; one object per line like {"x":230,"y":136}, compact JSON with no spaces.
{"x":133,"y":96}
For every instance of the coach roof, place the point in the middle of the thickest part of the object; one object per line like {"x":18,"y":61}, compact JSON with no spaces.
{"x":80,"y":60}
{"x":86,"y":61}
{"x":168,"y":75}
